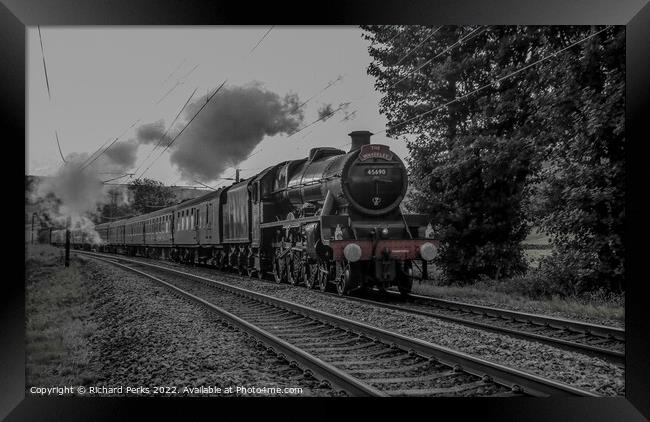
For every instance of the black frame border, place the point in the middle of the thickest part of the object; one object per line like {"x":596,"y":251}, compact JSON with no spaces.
{"x":16,"y":15}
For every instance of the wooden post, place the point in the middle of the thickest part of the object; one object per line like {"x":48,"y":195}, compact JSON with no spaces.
{"x":33,"y":215}
{"x":67,"y":243}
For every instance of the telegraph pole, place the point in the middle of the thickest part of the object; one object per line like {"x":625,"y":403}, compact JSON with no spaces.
{"x":67,"y":242}
{"x":237,"y":175}
{"x":33,"y":215}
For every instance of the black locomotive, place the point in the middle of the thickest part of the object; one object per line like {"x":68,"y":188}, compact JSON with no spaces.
{"x":332,"y":218}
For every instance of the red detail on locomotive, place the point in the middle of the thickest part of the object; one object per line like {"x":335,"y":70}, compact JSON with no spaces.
{"x":375,"y":151}
{"x":396,"y":249}
{"x":338,"y":246}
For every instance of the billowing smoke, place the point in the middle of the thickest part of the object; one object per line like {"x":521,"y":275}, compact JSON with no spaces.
{"x":327,"y":110}
{"x":229,"y":127}
{"x":122,"y":155}
{"x":150,"y":132}
{"x":71,"y":193}
{"x":75,"y":193}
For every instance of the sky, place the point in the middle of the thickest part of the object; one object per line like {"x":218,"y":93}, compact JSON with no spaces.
{"x":103,"y":79}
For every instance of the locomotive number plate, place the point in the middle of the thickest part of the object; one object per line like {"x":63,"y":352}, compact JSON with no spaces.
{"x":376,"y":172}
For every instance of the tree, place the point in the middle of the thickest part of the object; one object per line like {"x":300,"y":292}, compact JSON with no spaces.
{"x":483,"y":119}
{"x":150,"y":195}
{"x":470,"y":169}
{"x":582,"y":187}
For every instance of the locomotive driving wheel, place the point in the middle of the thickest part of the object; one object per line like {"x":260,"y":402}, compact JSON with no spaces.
{"x":322,"y":277}
{"x":343,"y":279}
{"x":311,"y":275}
{"x":279,"y":270}
{"x":305,"y":273}
{"x":250,"y":264}
{"x":290,"y":264}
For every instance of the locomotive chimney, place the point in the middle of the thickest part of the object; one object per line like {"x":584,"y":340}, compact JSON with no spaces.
{"x":359,"y":138}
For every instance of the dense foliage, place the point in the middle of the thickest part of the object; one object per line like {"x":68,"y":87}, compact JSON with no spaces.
{"x":150,"y":195}
{"x":504,"y":134}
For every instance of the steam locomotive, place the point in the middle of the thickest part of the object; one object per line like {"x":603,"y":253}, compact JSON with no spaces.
{"x":332,"y":219}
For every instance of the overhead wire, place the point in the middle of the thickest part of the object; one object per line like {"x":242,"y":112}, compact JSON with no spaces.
{"x":454,"y":45}
{"x":88,"y":161}
{"x":261,"y":39}
{"x":182,"y":130}
{"x":49,"y":93}
{"x":417,"y":46}
{"x":497,"y":80}
{"x":160,"y":141}
{"x":47,"y":79}
{"x":202,"y":107}
{"x":59,"y":145}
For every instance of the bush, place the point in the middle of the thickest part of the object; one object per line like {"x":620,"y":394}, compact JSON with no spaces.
{"x":570,"y":272}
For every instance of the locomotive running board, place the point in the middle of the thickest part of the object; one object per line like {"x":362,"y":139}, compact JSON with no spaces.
{"x":296,"y":222}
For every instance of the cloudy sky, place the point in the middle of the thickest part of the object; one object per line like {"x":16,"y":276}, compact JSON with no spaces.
{"x":103,"y":79}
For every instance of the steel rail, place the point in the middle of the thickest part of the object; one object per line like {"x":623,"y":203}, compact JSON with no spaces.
{"x":610,"y":355}
{"x":556,"y":322}
{"x":294,"y":355}
{"x":517,"y":380}
{"x":538,"y":321}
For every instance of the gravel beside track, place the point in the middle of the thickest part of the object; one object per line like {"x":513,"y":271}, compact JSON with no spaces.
{"x":569,"y":367}
{"x":149,"y":337}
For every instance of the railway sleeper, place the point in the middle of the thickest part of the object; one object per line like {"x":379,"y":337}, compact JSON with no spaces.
{"x":416,"y":366}
{"x":440,"y":391}
{"x":401,"y":380}
{"x":339,"y":349}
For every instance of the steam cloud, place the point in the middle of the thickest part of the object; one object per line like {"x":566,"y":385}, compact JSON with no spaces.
{"x":122,"y":155}
{"x":224,"y":134}
{"x":229,"y":128}
{"x":70,"y":193}
{"x":326,"y":111}
{"x":75,"y":193}
{"x":150,"y":132}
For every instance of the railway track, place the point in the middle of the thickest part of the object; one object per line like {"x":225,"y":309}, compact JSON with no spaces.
{"x":607,"y":343}
{"x":357,"y":358}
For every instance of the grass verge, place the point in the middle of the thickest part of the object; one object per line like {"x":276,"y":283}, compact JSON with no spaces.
{"x":58,"y":327}
{"x":596,"y":307}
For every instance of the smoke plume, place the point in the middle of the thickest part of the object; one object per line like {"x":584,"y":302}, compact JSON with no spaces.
{"x":229,"y":127}
{"x":326,"y":111}
{"x":122,"y":155}
{"x":75,"y":193}
{"x":150,"y":132}
{"x":72,"y":194}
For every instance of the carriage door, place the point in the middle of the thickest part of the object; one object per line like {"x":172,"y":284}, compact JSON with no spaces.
{"x":208,"y":222}
{"x":255,"y":213}
{"x":195,"y":220}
